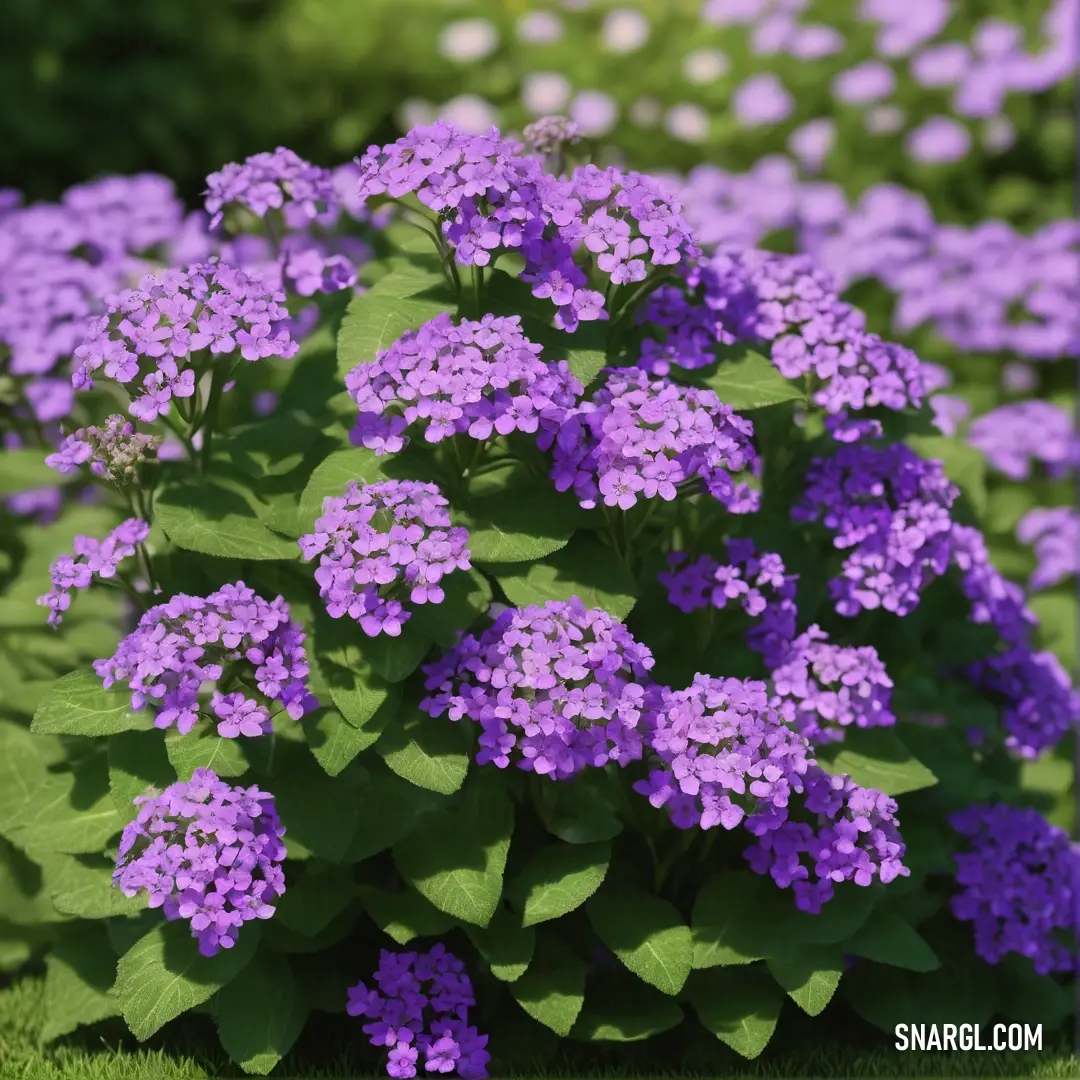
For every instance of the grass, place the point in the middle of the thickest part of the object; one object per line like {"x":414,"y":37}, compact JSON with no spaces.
{"x":189,"y":1052}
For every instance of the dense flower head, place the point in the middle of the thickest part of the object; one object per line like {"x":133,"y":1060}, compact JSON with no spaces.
{"x":219,"y":643}
{"x":112,"y":452}
{"x":1018,"y":884}
{"x":481,"y":378}
{"x":383,"y":546}
{"x":205,"y":852}
{"x":418,"y":1009}
{"x":995,"y":601}
{"x":888,"y":509}
{"x":91,"y":559}
{"x":640,"y":437}
{"x":1013,"y":437}
{"x":1038,"y":705}
{"x":822,"y":688}
{"x":1055,"y":534}
{"x":549,"y":134}
{"x":280,"y":180}
{"x":855,"y":837}
{"x":758,"y":582}
{"x":148,"y":335}
{"x":557,"y":687}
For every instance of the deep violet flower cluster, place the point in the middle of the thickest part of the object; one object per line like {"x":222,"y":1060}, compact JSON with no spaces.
{"x":1014,"y":437}
{"x":91,"y":559}
{"x":758,"y":582}
{"x":481,"y":378}
{"x":223,"y":642}
{"x":149,"y":334}
{"x":1019,"y":886}
{"x":822,"y":688}
{"x":207,"y":853}
{"x":1055,"y":534}
{"x":382,"y":546}
{"x":418,"y":1008}
{"x":112,"y":452}
{"x":641,"y":438}
{"x":888,"y":509}
{"x":555,"y":688}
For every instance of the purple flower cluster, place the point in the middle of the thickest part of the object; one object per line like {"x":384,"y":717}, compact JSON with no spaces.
{"x":229,"y":640}
{"x":759,"y":582}
{"x":1014,"y":437}
{"x":113,"y":452}
{"x":382,"y":544}
{"x":995,"y":601}
{"x":639,"y":437}
{"x":481,"y":378}
{"x":1018,"y":886}
{"x":557,"y":688}
{"x":149,"y":334}
{"x":822,"y":688}
{"x":1055,"y":533}
{"x":889,"y":509}
{"x":419,"y":1005}
{"x":92,"y":558}
{"x":207,"y":853}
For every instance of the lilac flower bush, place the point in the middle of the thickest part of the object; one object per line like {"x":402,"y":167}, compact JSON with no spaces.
{"x":567,"y":615}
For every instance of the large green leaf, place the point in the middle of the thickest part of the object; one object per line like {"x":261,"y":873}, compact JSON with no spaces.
{"x":260,"y":1013}
{"x":162,"y":975}
{"x":76,"y":704}
{"x":375,"y":320}
{"x":138,"y":761}
{"x":740,"y":1006}
{"x":964,"y":465}
{"x":579,"y":812}
{"x":202,"y":748}
{"x":78,"y":981}
{"x":388,"y":808}
{"x":560,"y":878}
{"x":81,"y":885}
{"x":24,"y":763}
{"x":627,"y":1011}
{"x":744,"y":380}
{"x":646,"y":933}
{"x":404,"y":915}
{"x":367,"y":701}
{"x":552,"y":991}
{"x":427,"y":751}
{"x":334,"y":742}
{"x":876,"y":758}
{"x":810,"y":975}
{"x":507,"y":946}
{"x":457,"y":860}
{"x":315,"y":897}
{"x":886,"y":938}
{"x":520,"y":526}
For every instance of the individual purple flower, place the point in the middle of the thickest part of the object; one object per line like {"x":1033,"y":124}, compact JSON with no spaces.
{"x":1018,"y":886}
{"x":112,"y":452}
{"x":995,"y":600}
{"x":205,"y":852}
{"x":762,"y":100}
{"x":822,"y":688}
{"x":643,"y":438}
{"x":381,"y":547}
{"x":419,"y":1004}
{"x":889,"y":510}
{"x":866,"y":82}
{"x":1013,"y":437}
{"x":939,"y":140}
{"x":556,"y":688}
{"x":271,"y":181}
{"x":149,"y":335}
{"x":1055,"y":534}
{"x":91,"y":559}
{"x":482,"y":379}
{"x":219,"y":644}
{"x":757,"y":582}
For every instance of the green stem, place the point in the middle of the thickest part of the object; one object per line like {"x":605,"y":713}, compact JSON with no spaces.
{"x":209,"y":416}
{"x":478,"y":289}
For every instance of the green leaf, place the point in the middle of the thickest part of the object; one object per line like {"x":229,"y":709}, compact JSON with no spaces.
{"x":24,"y":762}
{"x":81,"y":885}
{"x":646,"y":933}
{"x":24,"y":898}
{"x":740,"y":1006}
{"x":315,"y":897}
{"x":552,"y":991}
{"x":25,"y":470}
{"x":76,"y":704}
{"x":560,"y":878}
{"x":457,"y":860}
{"x":214,"y":520}
{"x":205,"y":750}
{"x":744,"y":380}
{"x":367,"y":701}
{"x":79,"y":975}
{"x":375,"y":320}
{"x":886,"y":938}
{"x":810,"y":976}
{"x":584,"y":568}
{"x":580,"y":814}
{"x":388,"y":809}
{"x":404,"y":915}
{"x":138,"y":761}
{"x":627,"y":1013}
{"x":507,"y":946}
{"x":260,"y":1014}
{"x":273,"y":446}
{"x":876,"y":758}
{"x":586,"y":364}
{"x":334,"y":742}
{"x":427,"y":751}
{"x":1028,"y":998}
{"x":162,"y":975}
{"x":410,"y":275}
{"x":467,"y":596}
{"x":532,"y":524}
{"x":964,"y":465}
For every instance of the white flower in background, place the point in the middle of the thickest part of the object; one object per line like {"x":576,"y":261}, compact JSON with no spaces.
{"x":470,"y":113}
{"x":646,"y":112}
{"x":998,"y":134}
{"x":468,"y":39}
{"x":704,"y":66}
{"x":594,"y":112}
{"x":811,"y":143}
{"x":540,"y":28}
{"x":545,"y":92}
{"x":624,"y":31}
{"x":687,"y":122}
{"x":884,"y":119}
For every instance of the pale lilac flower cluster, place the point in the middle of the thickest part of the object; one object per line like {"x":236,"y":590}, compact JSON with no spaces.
{"x":888,"y":509}
{"x":150,"y":333}
{"x":758,"y":582}
{"x":1055,"y":534}
{"x":382,"y":546}
{"x":243,"y":649}
{"x":205,"y":852}
{"x":91,"y":559}
{"x":113,"y":452}
{"x":418,"y":1008}
{"x":460,"y":377}
{"x":1016,"y":436}
{"x":547,"y":135}
{"x":639,"y":437}
{"x":1019,"y":886}
{"x":822,"y":688}
{"x":556,"y":688}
